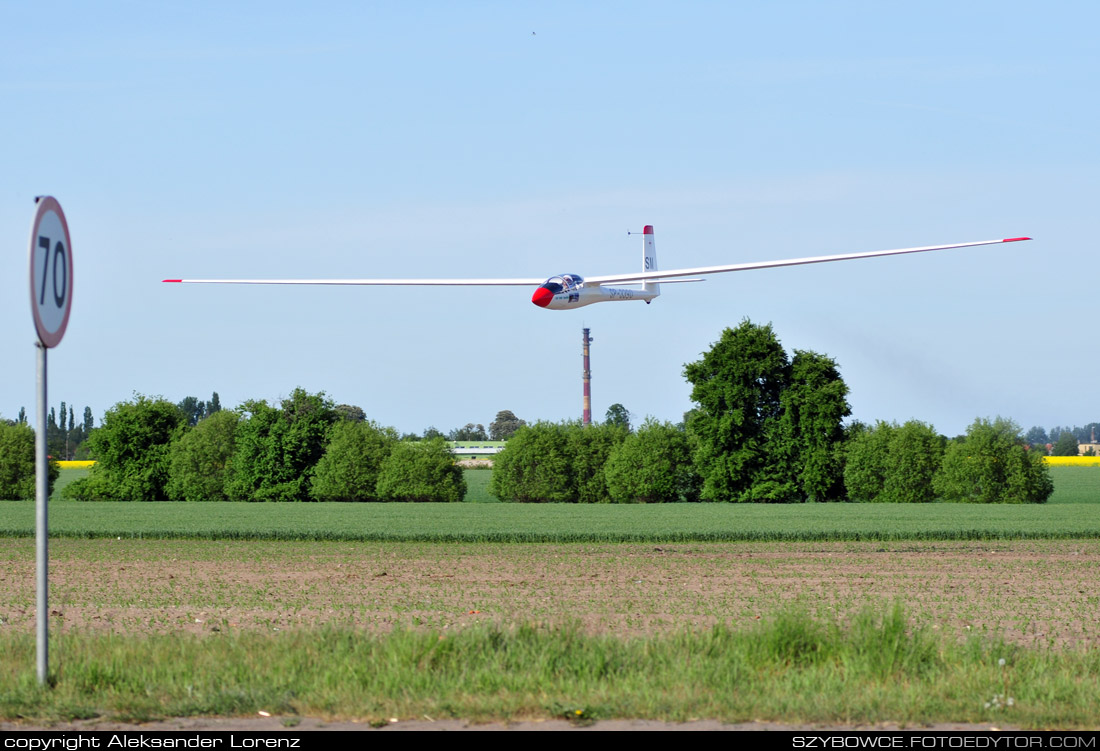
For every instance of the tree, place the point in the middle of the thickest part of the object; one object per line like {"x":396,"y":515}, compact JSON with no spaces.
{"x":810,"y":438}
{"x":349,"y":468}
{"x":214,"y":405}
{"x":423,"y":471}
{"x":278,"y":448}
{"x":589,"y":448}
{"x":892,"y":464}
{"x":469,"y":432}
{"x":766,"y":428}
{"x":131,"y":449}
{"x":199,"y":460}
{"x":22,"y":416}
{"x":737,"y":386}
{"x":1066,"y":445}
{"x":431,"y":432}
{"x":865,"y":460}
{"x":17,"y":463}
{"x":652,"y":465}
{"x":618,"y":415}
{"x":192,"y":409}
{"x":992,"y":466}
{"x":555,"y":463}
{"x":504,"y":426}
{"x":1036,"y":435}
{"x":536,"y":466}
{"x":350,"y":412}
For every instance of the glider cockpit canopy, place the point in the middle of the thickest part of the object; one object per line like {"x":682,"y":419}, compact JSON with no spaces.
{"x":564,"y":283}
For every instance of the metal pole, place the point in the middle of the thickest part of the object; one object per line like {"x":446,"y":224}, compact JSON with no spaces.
{"x":42,"y":485}
{"x":586,"y":413}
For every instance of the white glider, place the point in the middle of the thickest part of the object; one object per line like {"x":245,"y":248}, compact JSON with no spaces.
{"x":568,"y":291}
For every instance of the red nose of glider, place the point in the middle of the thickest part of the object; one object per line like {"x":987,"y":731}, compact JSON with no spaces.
{"x":542,"y":297}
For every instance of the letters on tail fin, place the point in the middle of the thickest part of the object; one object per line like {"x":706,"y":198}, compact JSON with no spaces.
{"x":649,"y":259}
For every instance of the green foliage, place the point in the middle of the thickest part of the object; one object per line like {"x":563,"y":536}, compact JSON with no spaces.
{"x":349,"y":469}
{"x":893,"y":464}
{"x":652,"y":465}
{"x":992,"y":466}
{"x":865,"y":460}
{"x":535,"y":466}
{"x":619,"y":415}
{"x":469,"y":432}
{"x":590,"y":448}
{"x":1066,"y":445}
{"x":766,"y":429}
{"x":505,"y":425}
{"x":17,"y":463}
{"x":278,"y":448}
{"x":423,"y":471}
{"x":555,"y":463}
{"x":810,"y":438}
{"x":199,"y":460}
{"x":350,"y":412}
{"x":131,"y":449}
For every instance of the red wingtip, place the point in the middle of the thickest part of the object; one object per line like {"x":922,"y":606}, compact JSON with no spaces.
{"x":172,"y":280}
{"x":1014,"y":239}
{"x":648,"y":230}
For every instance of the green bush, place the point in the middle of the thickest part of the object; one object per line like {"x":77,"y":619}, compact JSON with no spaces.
{"x":893,"y":464}
{"x":422,"y":471}
{"x":535,"y":466}
{"x":131,"y":449}
{"x":352,"y":461}
{"x":17,"y":463}
{"x":991,"y":465}
{"x":277,"y":448}
{"x":199,"y":460}
{"x":555,"y":463}
{"x":652,"y":465}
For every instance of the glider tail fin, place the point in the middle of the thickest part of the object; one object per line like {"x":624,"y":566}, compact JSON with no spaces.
{"x":649,"y":259}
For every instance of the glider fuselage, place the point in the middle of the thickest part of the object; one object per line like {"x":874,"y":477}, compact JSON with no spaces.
{"x":568,"y":291}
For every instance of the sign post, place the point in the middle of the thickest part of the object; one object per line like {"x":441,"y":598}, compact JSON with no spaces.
{"x":51,"y":267}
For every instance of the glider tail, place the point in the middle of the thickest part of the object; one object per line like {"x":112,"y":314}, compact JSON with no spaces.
{"x":649,"y":259}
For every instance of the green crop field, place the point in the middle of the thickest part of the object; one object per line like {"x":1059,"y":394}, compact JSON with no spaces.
{"x":1075,"y":484}
{"x":506,"y":522}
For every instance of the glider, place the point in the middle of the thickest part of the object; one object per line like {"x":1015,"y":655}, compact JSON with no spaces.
{"x":568,"y":291}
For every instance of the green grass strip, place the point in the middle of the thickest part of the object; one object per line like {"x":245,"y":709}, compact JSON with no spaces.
{"x":475,"y":522}
{"x":789,"y":668}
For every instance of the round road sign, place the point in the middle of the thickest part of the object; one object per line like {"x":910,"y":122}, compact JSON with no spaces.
{"x":51,"y":260}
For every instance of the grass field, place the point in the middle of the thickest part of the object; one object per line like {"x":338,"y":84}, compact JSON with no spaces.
{"x":795,"y":632}
{"x":1075,"y":484}
{"x":506,"y":522}
{"x":817,"y":613}
{"x":792,"y":669}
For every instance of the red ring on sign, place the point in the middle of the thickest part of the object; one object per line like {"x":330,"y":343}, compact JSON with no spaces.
{"x":46,"y":204}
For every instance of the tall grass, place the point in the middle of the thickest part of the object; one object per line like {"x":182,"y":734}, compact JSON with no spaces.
{"x":790,"y":667}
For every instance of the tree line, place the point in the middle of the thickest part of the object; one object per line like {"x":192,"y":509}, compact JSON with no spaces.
{"x":767,"y":427}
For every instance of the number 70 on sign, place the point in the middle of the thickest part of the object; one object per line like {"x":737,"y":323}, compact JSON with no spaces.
{"x":51,"y":271}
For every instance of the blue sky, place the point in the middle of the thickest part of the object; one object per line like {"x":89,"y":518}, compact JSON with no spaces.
{"x":447,"y":139}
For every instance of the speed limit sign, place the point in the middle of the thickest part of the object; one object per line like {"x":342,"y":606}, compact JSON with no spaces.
{"x":51,"y":261}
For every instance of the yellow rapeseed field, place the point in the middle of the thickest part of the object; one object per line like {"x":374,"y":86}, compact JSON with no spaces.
{"x":1073,"y":461}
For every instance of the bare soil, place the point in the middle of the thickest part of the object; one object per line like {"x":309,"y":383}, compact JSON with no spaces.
{"x":1028,"y":592}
